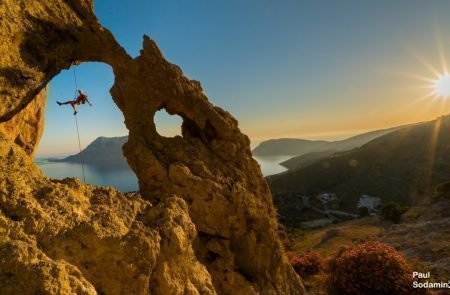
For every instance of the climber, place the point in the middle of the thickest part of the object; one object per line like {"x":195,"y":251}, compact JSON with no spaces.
{"x":81,"y":99}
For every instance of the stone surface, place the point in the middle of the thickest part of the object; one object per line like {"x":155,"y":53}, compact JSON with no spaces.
{"x":26,"y":128}
{"x":205,"y":223}
{"x":211,"y":167}
{"x":66,"y":237}
{"x":39,"y":39}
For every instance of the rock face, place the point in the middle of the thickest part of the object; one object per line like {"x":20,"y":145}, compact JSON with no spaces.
{"x":205,"y":223}
{"x":26,"y":128}
{"x":65,"y":237}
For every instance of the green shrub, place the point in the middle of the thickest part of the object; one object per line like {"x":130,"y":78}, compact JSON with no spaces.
{"x":442,"y":190}
{"x":370,"y":268}
{"x":443,"y":187}
{"x":392,"y":212}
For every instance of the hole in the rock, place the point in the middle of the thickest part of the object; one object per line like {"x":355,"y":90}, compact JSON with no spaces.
{"x":15,"y":218}
{"x":101,"y":130}
{"x":167,"y":125}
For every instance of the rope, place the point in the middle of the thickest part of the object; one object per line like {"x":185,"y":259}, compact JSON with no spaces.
{"x":76,"y":83}
{"x":76,"y":123}
{"x":79,"y":147}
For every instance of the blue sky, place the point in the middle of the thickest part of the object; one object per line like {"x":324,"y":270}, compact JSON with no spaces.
{"x":287,"y":68}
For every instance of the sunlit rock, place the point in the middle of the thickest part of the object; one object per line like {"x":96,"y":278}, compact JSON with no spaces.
{"x":204,"y":222}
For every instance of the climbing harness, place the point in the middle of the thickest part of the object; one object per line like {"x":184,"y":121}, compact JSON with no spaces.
{"x":78,"y":130}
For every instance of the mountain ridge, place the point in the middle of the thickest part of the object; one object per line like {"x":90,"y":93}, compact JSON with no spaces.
{"x":102,"y":151}
{"x":393,"y":167}
{"x":298,"y":147}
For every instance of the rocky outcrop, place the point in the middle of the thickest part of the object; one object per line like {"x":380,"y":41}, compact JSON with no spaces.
{"x":205,"y":223}
{"x":65,"y":237}
{"x":26,"y":128}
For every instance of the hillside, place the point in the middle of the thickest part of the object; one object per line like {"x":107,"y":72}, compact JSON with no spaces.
{"x":288,"y":146}
{"x":422,"y":237}
{"x":103,"y":151}
{"x":292,"y":146}
{"x":306,"y":159}
{"x":400,"y":166}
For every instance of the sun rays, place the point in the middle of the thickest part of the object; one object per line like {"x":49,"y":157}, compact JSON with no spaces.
{"x":431,"y":154}
{"x":439,"y":81}
{"x":431,"y":89}
{"x":427,"y":87}
{"x":442,"y":86}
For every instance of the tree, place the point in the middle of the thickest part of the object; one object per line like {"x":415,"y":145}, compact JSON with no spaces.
{"x":392,"y":212}
{"x":442,"y":190}
{"x":363,"y":211}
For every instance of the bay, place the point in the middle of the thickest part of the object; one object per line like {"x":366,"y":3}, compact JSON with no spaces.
{"x":123,"y":178}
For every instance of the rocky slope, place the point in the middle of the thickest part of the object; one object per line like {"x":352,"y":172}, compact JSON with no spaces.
{"x":65,"y":237}
{"x":204,"y":223}
{"x":424,"y":235}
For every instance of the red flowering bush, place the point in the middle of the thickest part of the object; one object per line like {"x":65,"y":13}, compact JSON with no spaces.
{"x":370,"y":268}
{"x":306,"y":264}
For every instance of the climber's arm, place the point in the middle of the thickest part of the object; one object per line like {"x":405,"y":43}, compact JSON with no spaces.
{"x":88,"y":101}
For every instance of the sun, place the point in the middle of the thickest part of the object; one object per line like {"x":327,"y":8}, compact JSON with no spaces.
{"x":442,"y":86}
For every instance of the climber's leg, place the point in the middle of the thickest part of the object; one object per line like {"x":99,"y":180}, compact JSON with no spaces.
{"x":66,"y":102}
{"x":73,"y":104}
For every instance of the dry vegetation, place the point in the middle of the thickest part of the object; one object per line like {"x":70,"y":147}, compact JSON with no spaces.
{"x":327,"y":240}
{"x":422,"y":237}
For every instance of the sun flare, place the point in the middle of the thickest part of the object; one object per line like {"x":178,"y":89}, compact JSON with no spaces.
{"x":435,"y":86}
{"x":442,"y":86}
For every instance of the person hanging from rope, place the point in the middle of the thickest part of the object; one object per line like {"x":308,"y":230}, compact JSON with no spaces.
{"x":81,"y":99}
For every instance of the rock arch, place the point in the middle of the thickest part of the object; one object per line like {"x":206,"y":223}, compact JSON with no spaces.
{"x":210,"y":167}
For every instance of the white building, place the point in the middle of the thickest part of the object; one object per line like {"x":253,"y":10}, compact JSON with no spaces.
{"x":369,"y":202}
{"x":326,"y":197}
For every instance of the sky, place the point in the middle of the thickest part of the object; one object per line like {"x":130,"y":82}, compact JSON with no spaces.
{"x":286,"y":68}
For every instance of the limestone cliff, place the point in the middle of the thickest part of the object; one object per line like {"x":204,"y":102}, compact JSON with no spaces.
{"x":65,"y":237}
{"x":26,"y":128}
{"x":205,"y":223}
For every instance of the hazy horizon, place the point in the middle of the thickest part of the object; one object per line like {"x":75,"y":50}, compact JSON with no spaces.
{"x":299,"y":69}
{"x":334,"y":136}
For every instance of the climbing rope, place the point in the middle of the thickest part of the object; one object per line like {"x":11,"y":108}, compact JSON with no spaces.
{"x":78,"y":130}
{"x":76,"y":83}
{"x":79,"y":146}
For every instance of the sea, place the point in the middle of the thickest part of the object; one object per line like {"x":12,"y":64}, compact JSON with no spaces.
{"x":122,"y":178}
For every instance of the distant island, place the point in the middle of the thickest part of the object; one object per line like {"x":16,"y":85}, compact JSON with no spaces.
{"x":104,"y":152}
{"x":297,"y":147}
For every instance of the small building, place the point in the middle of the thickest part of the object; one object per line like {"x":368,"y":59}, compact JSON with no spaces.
{"x":326,"y":197}
{"x":369,"y":202}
